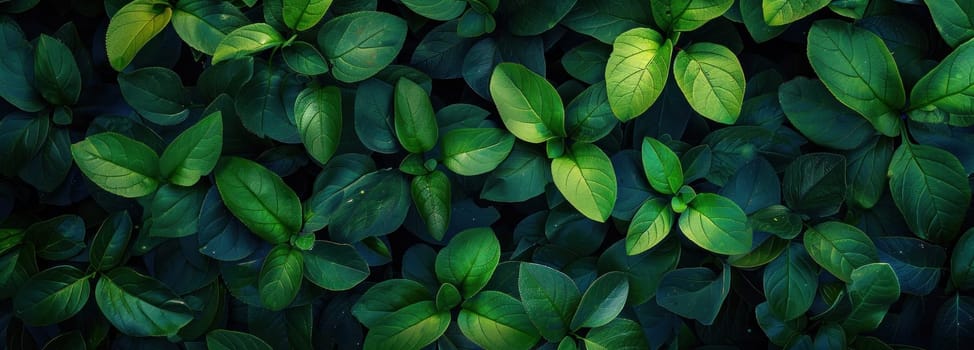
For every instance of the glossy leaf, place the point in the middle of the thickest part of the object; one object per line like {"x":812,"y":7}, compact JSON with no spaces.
{"x":602,"y":301}
{"x":859,"y":70}
{"x":549,"y":297}
{"x":373,"y":205}
{"x":790,"y":283}
{"x":815,"y":184}
{"x":432,"y":195}
{"x":494,"y":320}
{"x":304,"y":14}
{"x":637,"y":71}
{"x":132,"y":27}
{"x":440,"y":10}
{"x":812,"y":109}
{"x":950,"y":85}
{"x":318,"y":114}
{"x":661,"y":166}
{"x":56,"y":71}
{"x":618,"y":334}
{"x":259,"y":198}
{"x":839,"y":248}
{"x":246,"y":41}
{"x":415,"y":121}
{"x":712,"y":80}
{"x":156,"y":93}
{"x":387,"y":297}
{"x":953,"y":20}
{"x":118,"y":164}
{"x":584,"y":175}
{"x":280,"y":277}
{"x":194,"y":152}
{"x":781,"y":12}
{"x":202,"y":24}
{"x":17,"y":68}
{"x":411,"y":327}
{"x":687,"y":15}
{"x":58,"y":238}
{"x":469,"y":260}
{"x":472,"y":152}
{"x":110,"y":242}
{"x":650,"y":225}
{"x":52,"y":296}
{"x":360,"y":44}
{"x":139,"y":305}
{"x":717,"y":224}
{"x":528,"y":105}
{"x":929,"y":187}
{"x":872,"y":289}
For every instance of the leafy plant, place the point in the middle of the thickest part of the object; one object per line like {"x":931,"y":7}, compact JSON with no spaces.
{"x":417,"y":174}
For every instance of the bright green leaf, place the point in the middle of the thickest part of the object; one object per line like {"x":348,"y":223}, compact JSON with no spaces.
{"x":415,"y":121}
{"x":661,"y":166}
{"x":194,"y":152}
{"x":410,"y":328}
{"x":259,"y":198}
{"x":950,"y":85}
{"x":717,"y":224}
{"x":246,"y":41}
{"x":872,"y":289}
{"x":549,"y":297}
{"x":781,"y":12}
{"x":584,"y":175}
{"x":280,"y":277}
{"x":529,"y":106}
{"x":839,"y":248}
{"x":469,"y":260}
{"x":132,"y":27}
{"x":304,"y":14}
{"x":139,"y":305}
{"x":953,"y":19}
{"x":202,"y":24}
{"x":476,"y":151}
{"x":118,"y":164}
{"x":602,"y":301}
{"x":494,"y":320}
{"x":637,"y":71}
{"x":687,"y":15}
{"x":712,"y":80}
{"x":318,"y":114}
{"x":650,"y":225}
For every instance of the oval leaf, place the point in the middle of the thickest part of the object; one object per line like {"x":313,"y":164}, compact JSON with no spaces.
{"x":259,"y":198}
{"x":360,"y":44}
{"x":415,"y":121}
{"x":334,"y":266}
{"x":494,"y":320}
{"x":280,"y":277}
{"x":529,"y":106}
{"x":412,"y":328}
{"x":790,"y":283}
{"x":304,"y":14}
{"x":52,"y":296}
{"x":550,"y":299}
{"x":318,"y":114}
{"x":661,"y":166}
{"x":637,"y":71}
{"x":717,"y":224}
{"x":650,"y":225}
{"x":431,"y":193}
{"x":139,"y":305}
{"x":839,"y":248}
{"x":222,"y":339}
{"x":132,"y":27}
{"x":930,"y":187}
{"x":584,"y":175}
{"x":602,"y":302}
{"x":118,"y":164}
{"x":194,"y":152}
{"x":246,"y":41}
{"x":470,"y":152}
{"x":712,"y":80}
{"x":469,"y":260}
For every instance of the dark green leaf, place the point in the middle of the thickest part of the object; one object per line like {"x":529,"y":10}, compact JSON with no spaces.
{"x":361,"y":44}
{"x":952,"y":329}
{"x":859,"y":70}
{"x":156,"y":93}
{"x":387,"y":297}
{"x":523,"y":175}
{"x":138,"y":305}
{"x":790,"y":283}
{"x":222,"y":339}
{"x":865,"y":172}
{"x":962,"y":261}
{"x":586,"y":62}
{"x":534,"y":17}
{"x":696,"y":293}
{"x":59,"y":238}
{"x":872,"y":289}
{"x":431,"y":194}
{"x":222,"y":236}
{"x":779,"y":332}
{"x":619,"y":334}
{"x":202,"y":24}
{"x":752,"y":13}
{"x":194,"y":152}
{"x":22,"y":136}
{"x":280,"y":277}
{"x":259,"y":198}
{"x":56,"y":72}
{"x":52,"y":296}
{"x":132,"y":27}
{"x":415,"y":121}
{"x":16,"y":68}
{"x":820,"y":117}
{"x":637,"y":71}
{"x":110,"y":242}
{"x":839,"y":248}
{"x":602,"y":301}
{"x":953,"y":20}
{"x":441,"y":52}
{"x":550,"y":299}
{"x":318,"y":114}
{"x":917,"y":264}
{"x":588,"y":117}
{"x":175,"y":210}
{"x":494,"y":320}
{"x":815,"y":184}
{"x":118,"y":164}
{"x":303,"y":58}
{"x":440,"y":10}
{"x":373,"y":205}
{"x":930,"y":187}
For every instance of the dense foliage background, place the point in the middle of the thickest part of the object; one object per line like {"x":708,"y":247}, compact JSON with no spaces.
{"x":486,"y":174}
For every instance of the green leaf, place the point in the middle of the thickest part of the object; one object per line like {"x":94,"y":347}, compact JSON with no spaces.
{"x":139,"y":305}
{"x":952,"y":328}
{"x":859,"y":70}
{"x":820,"y":117}
{"x":602,"y":301}
{"x":52,"y":296}
{"x":584,"y":175}
{"x":415,"y":121}
{"x":469,"y":260}
{"x":56,"y":72}
{"x":304,"y":58}
{"x":549,"y":297}
{"x":202,"y":24}
{"x":777,"y":220}
{"x":779,"y":332}
{"x":712,"y":80}
{"x":839,"y":248}
{"x":588,"y":117}
{"x":872,"y":289}
{"x":620,"y":334}
{"x":157,"y":93}
{"x":695,"y":292}
{"x":387,"y":297}
{"x":318,"y":114}
{"x":953,"y":19}
{"x":431,"y":193}
{"x":761,"y":255}
{"x":781,"y":12}
{"x":222,"y":339}
{"x":529,"y":106}
{"x":373,"y":205}
{"x":280,"y":277}
{"x":175,"y":211}
{"x":930,"y":187}
{"x":717,"y":224}
{"x":16,"y":68}
{"x":110,"y":242}
{"x":476,"y":151}
{"x":59,"y":238}
{"x":447,"y":297}
{"x":132,"y":27}
{"x":815,"y":184}
{"x":866,"y":172}
{"x":410,"y":328}
{"x":687,"y":15}
{"x":661,"y":166}
{"x":259,"y":198}
{"x":605,"y":23}
{"x":752,"y":13}
{"x":650,"y":225}
{"x":950,"y":85}
{"x":637,"y":71}
{"x":494,"y":320}
{"x":587,"y":61}
{"x":962,"y":261}
{"x":526,"y":18}
{"x":194,"y":153}
{"x":118,"y":164}
{"x":523,"y":175}
{"x":440,"y":10}
{"x":303,"y":14}
{"x":791,"y":282}
{"x":246,"y":41}
{"x":22,"y":137}
{"x":361,"y":44}
{"x":264,"y":103}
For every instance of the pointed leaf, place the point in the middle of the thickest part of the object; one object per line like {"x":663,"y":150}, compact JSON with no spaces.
{"x":950,"y":85}
{"x":139,"y":305}
{"x":52,"y":296}
{"x":410,"y":328}
{"x":790,"y":283}
{"x":494,"y":320}
{"x":695,"y":293}
{"x":930,"y":187}
{"x":431,"y":194}
{"x":222,"y":339}
{"x":280,"y":277}
{"x":259,"y":198}
{"x":110,"y":242}
{"x":781,"y":12}
{"x":194,"y":152}
{"x":318,"y":114}
{"x":717,"y":224}
{"x":637,"y":71}
{"x":584,"y":175}
{"x":469,"y":260}
{"x":649,"y":226}
{"x":712,"y":80}
{"x":839,"y":248}
{"x":202,"y":24}
{"x":360,"y":44}
{"x":661,"y":166}
{"x":56,"y":72}
{"x":118,"y":164}
{"x":246,"y":41}
{"x":873,"y":288}
{"x":550,"y":298}
{"x":304,"y":14}
{"x":953,"y":19}
{"x":529,"y":106}
{"x":415,"y":121}
{"x":602,"y":301}
{"x":132,"y":27}
{"x":476,"y":151}
{"x":687,"y":15}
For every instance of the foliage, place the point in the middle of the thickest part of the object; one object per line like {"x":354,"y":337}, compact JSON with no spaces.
{"x":410,"y":174}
